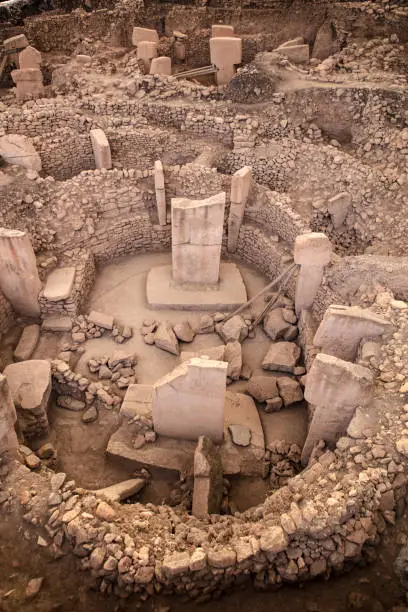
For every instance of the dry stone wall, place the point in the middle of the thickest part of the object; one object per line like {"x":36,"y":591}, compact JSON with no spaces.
{"x":6,"y":314}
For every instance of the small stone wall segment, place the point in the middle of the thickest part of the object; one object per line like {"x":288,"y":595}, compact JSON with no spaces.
{"x":6,"y":314}
{"x":83,"y":282}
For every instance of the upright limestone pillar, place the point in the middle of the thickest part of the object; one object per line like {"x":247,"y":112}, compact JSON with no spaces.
{"x":160,"y":192}
{"x":19,"y":280}
{"x":8,"y":417}
{"x":240,"y":186}
{"x":313,"y":253}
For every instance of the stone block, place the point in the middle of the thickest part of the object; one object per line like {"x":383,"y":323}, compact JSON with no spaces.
{"x":297,"y":54}
{"x":101,"y":319}
{"x":160,"y":192}
{"x":8,"y":417}
{"x":161,"y":65}
{"x":101,"y":149}
{"x":222,"y":30}
{"x":146,"y":51}
{"x":299,"y":40}
{"x":29,"y":58}
{"x":312,"y":249}
{"x":208,"y":479}
{"x":57,"y":324}
{"x":27,"y":343}
{"x":30,"y":386}
{"x":19,"y":150}
{"x":189,"y":402}
{"x":282,"y":357}
{"x":29,"y":83}
{"x":197,"y":227}
{"x":343,"y":327}
{"x":144,"y":35}
{"x":338,"y":207}
{"x":15,"y":42}
{"x":59,"y":284}
{"x":19,"y":280}
{"x":121,"y":490}
{"x":336,"y":388}
{"x":137,"y":401}
{"x":165,"y":338}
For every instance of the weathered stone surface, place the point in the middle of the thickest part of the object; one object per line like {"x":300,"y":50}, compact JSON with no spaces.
{"x":101,"y":319}
{"x":144,"y":34}
{"x":176,"y":564}
{"x":289,"y":390}
{"x":208,"y":479}
{"x":70,"y":403}
{"x":27,"y":343}
{"x":8,"y":417}
{"x":233,"y":356}
{"x":90,"y":415}
{"x":121,"y":490}
{"x":165,"y":338}
{"x":59,"y":284}
{"x":263,"y":388}
{"x":184,"y":331}
{"x":18,"y":149}
{"x":101,"y":149}
{"x":225,"y":53}
{"x":235,"y":329}
{"x":57,"y":324}
{"x":273,"y":540}
{"x":105,"y":512}
{"x":282,"y":357}
{"x":189,"y":402}
{"x":241,"y":435}
{"x":276,"y":326}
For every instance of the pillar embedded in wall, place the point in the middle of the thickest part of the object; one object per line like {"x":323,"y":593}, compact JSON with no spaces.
{"x":160,"y":192}
{"x":225,"y":53}
{"x":312,"y":253}
{"x":240,"y":186}
{"x":221,"y":30}
{"x":161,"y":65}
{"x":335,"y":387}
{"x":19,"y":280}
{"x":8,"y":417}
{"x":101,"y":149}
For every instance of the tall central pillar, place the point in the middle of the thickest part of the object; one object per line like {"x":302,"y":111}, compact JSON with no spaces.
{"x":197,"y":228}
{"x":19,"y":280}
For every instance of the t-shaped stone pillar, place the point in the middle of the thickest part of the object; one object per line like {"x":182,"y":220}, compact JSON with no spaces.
{"x":343,"y":328}
{"x":146,"y":51}
{"x":160,"y":192}
{"x":336,"y":388}
{"x":240,"y":186}
{"x":19,"y":280}
{"x":101,"y":149}
{"x":189,"y":401}
{"x":312,"y":253}
{"x":225,"y":53}
{"x":8,"y":417}
{"x":197,"y":227}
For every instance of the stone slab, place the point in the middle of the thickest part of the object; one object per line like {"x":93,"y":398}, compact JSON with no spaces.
{"x":101,"y":149}
{"x":121,"y":490}
{"x":178,"y":455}
{"x":163,"y":293}
{"x":57,"y":324}
{"x":220,"y":29}
{"x":144,"y":34}
{"x":100,"y":319}
{"x":29,"y":382}
{"x":27,"y":343}
{"x":59,"y":284}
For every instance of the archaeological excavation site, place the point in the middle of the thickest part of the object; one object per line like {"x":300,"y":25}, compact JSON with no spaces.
{"x":203,"y":305}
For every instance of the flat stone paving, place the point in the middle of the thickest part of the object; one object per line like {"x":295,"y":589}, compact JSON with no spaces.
{"x":162,"y":292}
{"x":59,"y":284}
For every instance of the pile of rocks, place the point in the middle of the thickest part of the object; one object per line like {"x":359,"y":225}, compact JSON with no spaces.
{"x":275,"y":392}
{"x":119,"y":369}
{"x":97,"y":324}
{"x":285,"y":462}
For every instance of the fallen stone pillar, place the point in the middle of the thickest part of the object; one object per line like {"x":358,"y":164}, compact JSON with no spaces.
{"x":197,"y":227}
{"x":335,"y":387}
{"x":8,"y":418}
{"x":19,"y":280}
{"x":208,"y":479}
{"x":161,"y":65}
{"x":101,"y":149}
{"x":344,"y":327}
{"x":225,"y":53}
{"x":146,"y":51}
{"x":189,"y":401}
{"x":160,"y":192}
{"x":144,"y":35}
{"x":240,"y":186}
{"x":312,"y":253}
